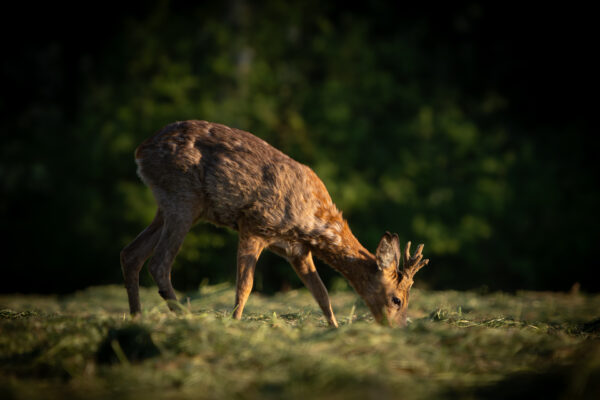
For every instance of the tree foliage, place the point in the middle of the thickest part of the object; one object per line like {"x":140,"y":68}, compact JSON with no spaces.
{"x":465,"y":128}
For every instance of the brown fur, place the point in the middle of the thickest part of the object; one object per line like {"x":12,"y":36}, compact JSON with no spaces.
{"x":199,"y":170}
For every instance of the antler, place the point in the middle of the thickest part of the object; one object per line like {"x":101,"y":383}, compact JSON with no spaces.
{"x":410,"y":265}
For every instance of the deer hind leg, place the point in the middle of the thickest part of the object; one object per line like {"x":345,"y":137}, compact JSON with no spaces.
{"x":133,"y":257}
{"x":302,"y":262}
{"x":249,"y":249}
{"x":176,"y":225}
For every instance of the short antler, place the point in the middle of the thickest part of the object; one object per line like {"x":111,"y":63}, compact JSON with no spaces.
{"x":411,"y":265}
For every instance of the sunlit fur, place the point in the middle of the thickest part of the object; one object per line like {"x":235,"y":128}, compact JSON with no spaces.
{"x":199,"y":170}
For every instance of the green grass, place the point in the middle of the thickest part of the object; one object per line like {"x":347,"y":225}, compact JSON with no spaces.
{"x":458,"y":345}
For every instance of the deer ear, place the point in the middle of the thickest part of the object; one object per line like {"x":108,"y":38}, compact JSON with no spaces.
{"x":388,"y":252}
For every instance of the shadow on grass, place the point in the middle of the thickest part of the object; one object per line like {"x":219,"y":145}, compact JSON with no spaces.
{"x":557,"y":383}
{"x":129,"y":344}
{"x":27,"y":365}
{"x":579,"y":379}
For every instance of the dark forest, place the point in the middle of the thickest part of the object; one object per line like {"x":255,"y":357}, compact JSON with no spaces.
{"x":466,"y":126}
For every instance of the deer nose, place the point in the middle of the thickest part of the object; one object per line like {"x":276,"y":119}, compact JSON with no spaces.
{"x":399,"y":321}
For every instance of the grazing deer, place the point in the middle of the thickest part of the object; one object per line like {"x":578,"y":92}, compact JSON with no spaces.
{"x":199,"y":170}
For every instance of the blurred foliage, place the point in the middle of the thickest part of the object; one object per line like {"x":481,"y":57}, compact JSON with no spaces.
{"x":438,"y":124}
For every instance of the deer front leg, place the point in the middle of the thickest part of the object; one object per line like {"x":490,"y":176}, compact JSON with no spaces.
{"x":305,"y":268}
{"x":249,"y":249}
{"x":302,"y":262}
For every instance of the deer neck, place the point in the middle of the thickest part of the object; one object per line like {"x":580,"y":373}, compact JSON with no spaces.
{"x":343,"y":252}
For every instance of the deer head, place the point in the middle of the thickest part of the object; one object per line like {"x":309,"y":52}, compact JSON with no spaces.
{"x":389,"y":302}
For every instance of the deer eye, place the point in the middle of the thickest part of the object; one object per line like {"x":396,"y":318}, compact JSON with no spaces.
{"x":396,"y":301}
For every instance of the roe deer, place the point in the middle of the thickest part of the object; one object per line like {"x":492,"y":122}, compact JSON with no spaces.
{"x":199,"y":170}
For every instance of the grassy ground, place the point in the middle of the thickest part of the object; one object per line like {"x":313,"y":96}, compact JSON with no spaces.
{"x":458,"y":345}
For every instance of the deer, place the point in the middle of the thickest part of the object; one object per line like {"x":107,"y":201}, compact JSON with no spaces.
{"x":205,"y":171}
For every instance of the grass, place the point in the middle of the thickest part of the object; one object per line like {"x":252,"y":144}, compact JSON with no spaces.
{"x":458,"y":345}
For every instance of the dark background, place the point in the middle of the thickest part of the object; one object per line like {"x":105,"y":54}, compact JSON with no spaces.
{"x":465,"y":126}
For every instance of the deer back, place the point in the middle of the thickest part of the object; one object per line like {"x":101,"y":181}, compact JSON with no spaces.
{"x":231,"y":175}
